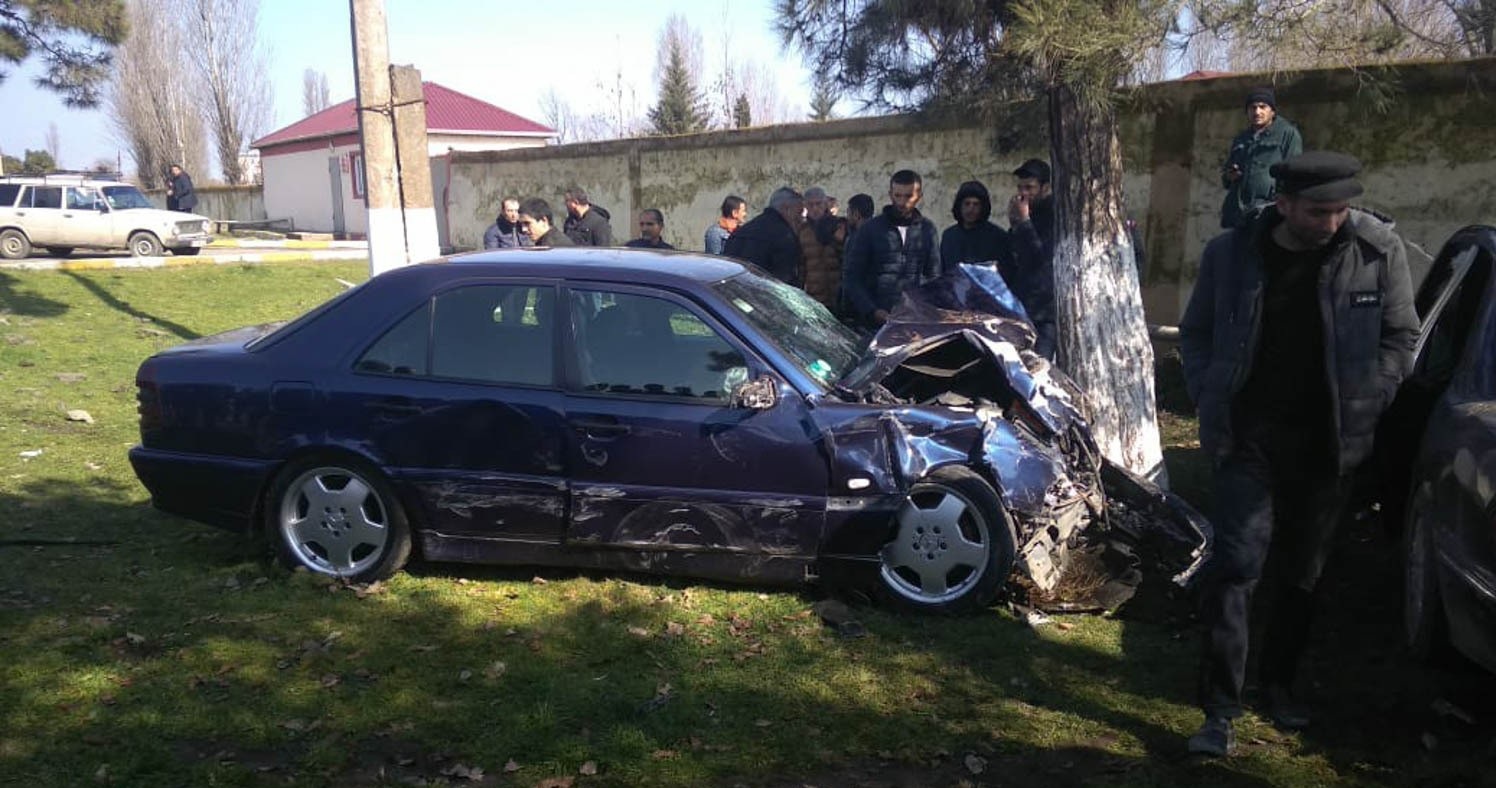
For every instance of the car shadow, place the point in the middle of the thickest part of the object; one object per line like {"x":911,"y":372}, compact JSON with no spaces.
{"x":114,"y":302}
{"x":20,"y":302}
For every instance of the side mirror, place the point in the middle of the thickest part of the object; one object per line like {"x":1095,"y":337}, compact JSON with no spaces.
{"x":761,"y":393}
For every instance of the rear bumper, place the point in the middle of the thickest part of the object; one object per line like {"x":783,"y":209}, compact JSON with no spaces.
{"x":219,"y":491}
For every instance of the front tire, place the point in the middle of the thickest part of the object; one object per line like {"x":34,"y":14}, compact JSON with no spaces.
{"x":1423,"y":612}
{"x":144,"y":244}
{"x":14,"y":245}
{"x":953,"y":545}
{"x":337,"y":517}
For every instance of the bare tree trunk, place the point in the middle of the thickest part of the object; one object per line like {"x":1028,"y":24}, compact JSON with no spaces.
{"x":1103,"y":337}
{"x":151,"y":102}
{"x":230,"y":65}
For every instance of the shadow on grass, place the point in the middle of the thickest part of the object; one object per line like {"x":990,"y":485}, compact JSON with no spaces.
{"x":114,"y":302}
{"x":19,"y":302}
{"x":177,"y":656}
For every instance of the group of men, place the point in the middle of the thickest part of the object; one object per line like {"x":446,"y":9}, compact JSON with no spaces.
{"x":859,"y":265}
{"x":522,"y":223}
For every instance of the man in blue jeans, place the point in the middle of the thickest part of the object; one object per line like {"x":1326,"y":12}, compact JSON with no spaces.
{"x":1298,"y":332}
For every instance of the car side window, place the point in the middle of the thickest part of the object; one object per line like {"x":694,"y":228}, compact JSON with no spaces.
{"x":81,"y":199}
{"x":402,"y":349}
{"x":8,"y":192}
{"x":495,"y":334}
{"x":635,"y":344}
{"x":46,"y":197}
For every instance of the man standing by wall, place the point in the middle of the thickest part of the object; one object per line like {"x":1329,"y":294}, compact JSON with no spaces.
{"x":771,"y":241}
{"x":1031,"y":217}
{"x":180,"y":195}
{"x":586,"y":224}
{"x":1267,"y":140}
{"x":504,"y":232}
{"x":821,"y":239}
{"x":1297,"y":334}
{"x":651,"y":224}
{"x":734,"y":211}
{"x":975,"y":239}
{"x":896,"y":249}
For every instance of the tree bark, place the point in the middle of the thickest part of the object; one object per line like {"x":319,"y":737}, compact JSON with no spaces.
{"x":1103,"y":336}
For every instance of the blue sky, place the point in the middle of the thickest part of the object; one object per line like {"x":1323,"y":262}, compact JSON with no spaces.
{"x":506,"y":53}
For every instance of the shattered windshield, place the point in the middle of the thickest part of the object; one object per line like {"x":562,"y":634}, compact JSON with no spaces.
{"x":123,"y":198}
{"x":797,"y":323}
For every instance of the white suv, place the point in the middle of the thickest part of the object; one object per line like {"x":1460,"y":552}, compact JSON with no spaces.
{"x":63,"y":212}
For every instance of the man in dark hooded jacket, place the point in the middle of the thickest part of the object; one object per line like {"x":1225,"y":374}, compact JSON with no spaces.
{"x":586,"y":224}
{"x":891,"y":252}
{"x":975,"y":239}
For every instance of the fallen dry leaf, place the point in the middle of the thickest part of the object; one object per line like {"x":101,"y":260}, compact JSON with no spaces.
{"x":495,"y":670}
{"x":588,"y":769}
{"x":674,"y":629}
{"x":80,"y":415}
{"x":663,"y":755}
{"x":975,"y":764}
{"x":538,"y":580}
{"x":556,"y":782}
{"x":510,"y":767}
{"x":639,"y":632}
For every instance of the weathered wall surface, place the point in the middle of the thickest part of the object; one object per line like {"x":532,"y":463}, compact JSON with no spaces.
{"x":238,"y":203}
{"x":1430,"y":155}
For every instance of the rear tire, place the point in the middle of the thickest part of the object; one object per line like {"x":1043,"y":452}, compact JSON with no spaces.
{"x":59,"y":251}
{"x":144,"y":244}
{"x":953,"y":546}
{"x":338,"y":517}
{"x":14,"y":245}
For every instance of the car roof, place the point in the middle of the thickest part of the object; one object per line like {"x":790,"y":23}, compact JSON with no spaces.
{"x":642,"y":266}
{"x":59,"y":180}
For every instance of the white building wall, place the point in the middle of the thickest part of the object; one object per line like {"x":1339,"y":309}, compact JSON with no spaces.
{"x":438,"y":144}
{"x":298,"y":187}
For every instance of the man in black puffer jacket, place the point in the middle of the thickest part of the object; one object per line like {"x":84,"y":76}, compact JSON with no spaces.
{"x":894,"y":250}
{"x":1298,"y":332}
{"x":586,"y":224}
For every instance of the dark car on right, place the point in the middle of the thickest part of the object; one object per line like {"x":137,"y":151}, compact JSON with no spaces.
{"x":1442,"y":431}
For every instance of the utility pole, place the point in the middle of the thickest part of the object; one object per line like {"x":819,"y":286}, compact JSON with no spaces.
{"x":402,"y":221}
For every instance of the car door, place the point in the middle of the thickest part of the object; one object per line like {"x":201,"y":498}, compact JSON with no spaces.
{"x":40,"y":214}
{"x":459,"y":400}
{"x":82,"y":222}
{"x":660,"y":458}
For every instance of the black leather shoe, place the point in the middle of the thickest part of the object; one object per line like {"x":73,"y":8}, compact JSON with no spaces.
{"x":1285,"y":712}
{"x":1216,"y":738}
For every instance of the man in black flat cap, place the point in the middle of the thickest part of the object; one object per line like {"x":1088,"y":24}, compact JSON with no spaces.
{"x":1267,"y":140}
{"x":1297,"y":334}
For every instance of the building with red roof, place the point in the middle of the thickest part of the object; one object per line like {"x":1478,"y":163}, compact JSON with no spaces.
{"x":313,"y":168}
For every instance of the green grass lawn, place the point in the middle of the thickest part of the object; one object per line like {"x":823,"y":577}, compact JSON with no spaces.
{"x":140,"y":649}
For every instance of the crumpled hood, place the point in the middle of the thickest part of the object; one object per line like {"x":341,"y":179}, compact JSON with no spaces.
{"x":956,"y":363}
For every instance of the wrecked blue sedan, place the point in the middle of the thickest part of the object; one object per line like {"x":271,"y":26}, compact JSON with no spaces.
{"x":658,"y":412}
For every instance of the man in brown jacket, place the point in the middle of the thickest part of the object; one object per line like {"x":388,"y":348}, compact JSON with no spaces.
{"x":822,"y":237}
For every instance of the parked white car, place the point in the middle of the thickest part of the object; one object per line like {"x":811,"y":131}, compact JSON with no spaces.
{"x":63,"y":212}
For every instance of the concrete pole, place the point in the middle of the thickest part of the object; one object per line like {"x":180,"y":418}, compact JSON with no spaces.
{"x":371,"y":67}
{"x":414,"y":160}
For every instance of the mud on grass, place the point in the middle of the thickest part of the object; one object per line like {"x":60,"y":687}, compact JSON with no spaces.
{"x":141,"y":650}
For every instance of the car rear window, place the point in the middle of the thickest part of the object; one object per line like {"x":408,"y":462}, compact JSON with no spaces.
{"x":8,"y":192}
{"x":46,"y":197}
